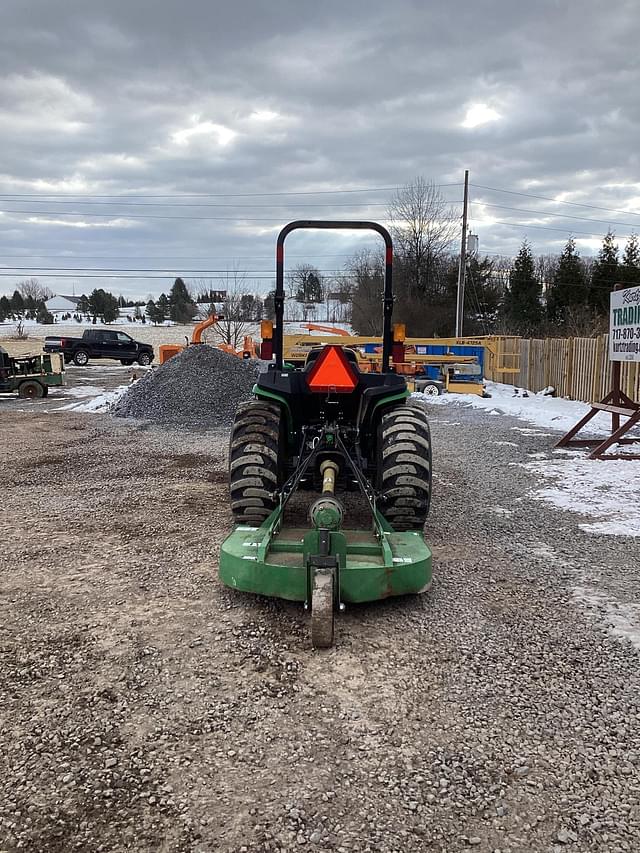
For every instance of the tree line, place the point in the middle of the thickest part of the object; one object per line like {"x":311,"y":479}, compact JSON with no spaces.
{"x":543,"y":295}
{"x":532,"y":295}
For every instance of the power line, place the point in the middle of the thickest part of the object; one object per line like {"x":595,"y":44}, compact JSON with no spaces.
{"x":43,"y":270}
{"x":557,"y":215}
{"x":525,"y":226}
{"x":128,"y":215}
{"x":205,"y":204}
{"x":555,"y":200}
{"x":137,"y":277}
{"x":214,"y":195}
{"x":83,"y":214}
{"x":233,"y":258}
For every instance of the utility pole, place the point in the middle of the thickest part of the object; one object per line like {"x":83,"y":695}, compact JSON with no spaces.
{"x":462,"y":269}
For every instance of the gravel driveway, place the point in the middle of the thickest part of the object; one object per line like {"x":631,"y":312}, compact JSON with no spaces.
{"x":144,"y":707}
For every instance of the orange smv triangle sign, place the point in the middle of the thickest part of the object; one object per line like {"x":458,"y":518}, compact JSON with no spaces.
{"x":332,"y":373}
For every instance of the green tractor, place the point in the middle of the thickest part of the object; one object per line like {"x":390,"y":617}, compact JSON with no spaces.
{"x":331,"y":429}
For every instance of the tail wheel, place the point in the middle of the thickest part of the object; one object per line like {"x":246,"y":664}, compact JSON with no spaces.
{"x":256,"y":461}
{"x":404,"y":466}
{"x":322,"y":610}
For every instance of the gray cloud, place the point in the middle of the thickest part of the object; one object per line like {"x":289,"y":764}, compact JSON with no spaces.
{"x":159,"y":97}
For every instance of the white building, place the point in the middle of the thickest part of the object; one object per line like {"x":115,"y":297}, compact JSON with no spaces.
{"x":60,"y":305}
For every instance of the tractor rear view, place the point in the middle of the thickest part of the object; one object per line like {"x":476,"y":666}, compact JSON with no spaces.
{"x":329,"y":428}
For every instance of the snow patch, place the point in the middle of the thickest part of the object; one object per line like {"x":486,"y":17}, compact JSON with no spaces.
{"x":101,"y":403}
{"x":83,"y":391}
{"x":621,"y":620}
{"x":606,"y":490}
{"x":540,"y":410}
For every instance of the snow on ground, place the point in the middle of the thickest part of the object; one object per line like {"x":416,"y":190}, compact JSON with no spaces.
{"x":537,"y":409}
{"x":83,"y":391}
{"x":100,"y":403}
{"x":622,"y":619}
{"x":606,"y":490}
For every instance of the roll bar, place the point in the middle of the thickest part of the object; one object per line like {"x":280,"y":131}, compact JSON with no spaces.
{"x":387,"y":300}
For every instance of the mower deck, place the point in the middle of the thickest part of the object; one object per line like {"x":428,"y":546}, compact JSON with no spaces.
{"x":255,"y":559}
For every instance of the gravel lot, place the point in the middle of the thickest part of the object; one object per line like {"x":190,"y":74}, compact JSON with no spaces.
{"x":144,"y":707}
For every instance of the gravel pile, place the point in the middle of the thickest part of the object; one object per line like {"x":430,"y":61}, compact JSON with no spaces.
{"x":200,"y":387}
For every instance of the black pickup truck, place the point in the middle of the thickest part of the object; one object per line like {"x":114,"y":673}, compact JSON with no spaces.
{"x":100,"y":343}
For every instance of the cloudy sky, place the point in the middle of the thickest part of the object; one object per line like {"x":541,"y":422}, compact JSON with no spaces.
{"x":178,"y":137}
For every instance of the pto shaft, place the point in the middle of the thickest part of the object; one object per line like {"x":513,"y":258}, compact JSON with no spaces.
{"x":326,"y":513}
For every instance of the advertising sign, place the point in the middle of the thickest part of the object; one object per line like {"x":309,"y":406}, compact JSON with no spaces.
{"x":624,"y":325}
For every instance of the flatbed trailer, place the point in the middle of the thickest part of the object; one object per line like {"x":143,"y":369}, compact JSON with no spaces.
{"x":431,"y":365}
{"x":30,"y":375}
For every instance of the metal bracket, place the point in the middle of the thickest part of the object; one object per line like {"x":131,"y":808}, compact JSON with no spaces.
{"x":324,"y":561}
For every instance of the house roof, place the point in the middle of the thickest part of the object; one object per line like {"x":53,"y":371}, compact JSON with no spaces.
{"x":74,"y":299}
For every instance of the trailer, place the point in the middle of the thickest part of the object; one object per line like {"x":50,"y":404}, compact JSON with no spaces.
{"x":430,"y":365}
{"x":30,"y":375}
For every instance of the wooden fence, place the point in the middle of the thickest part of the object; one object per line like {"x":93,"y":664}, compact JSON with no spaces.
{"x":578,"y":368}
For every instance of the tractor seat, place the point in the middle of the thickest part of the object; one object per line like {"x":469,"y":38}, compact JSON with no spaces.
{"x":315,"y":352}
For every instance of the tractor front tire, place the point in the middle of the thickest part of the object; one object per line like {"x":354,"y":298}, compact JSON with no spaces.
{"x":404,"y":466}
{"x":256,"y":461}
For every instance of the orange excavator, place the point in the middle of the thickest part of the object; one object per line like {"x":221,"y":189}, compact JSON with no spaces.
{"x":167,"y":351}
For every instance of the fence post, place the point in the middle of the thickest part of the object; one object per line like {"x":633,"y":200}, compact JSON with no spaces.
{"x":569,"y":368}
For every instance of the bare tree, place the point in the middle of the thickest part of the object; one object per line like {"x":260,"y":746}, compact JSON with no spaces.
{"x":424,"y":226}
{"x":366,"y":269}
{"x":232,"y":329}
{"x":31,"y":288}
{"x":338,"y":298}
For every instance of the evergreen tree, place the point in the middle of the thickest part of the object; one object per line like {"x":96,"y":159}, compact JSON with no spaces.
{"x":183,"y":308}
{"x":43,"y":316}
{"x":258,"y":308}
{"x":5,"y":308}
{"x":630,"y":267}
{"x":163,"y":307}
{"x":522,"y":305}
{"x":104,"y":305}
{"x":153,"y":312}
{"x":269,"y":312}
{"x":17,"y":304}
{"x":605,"y":273}
{"x":482,"y":295}
{"x":568,"y":288}
{"x":83,"y":304}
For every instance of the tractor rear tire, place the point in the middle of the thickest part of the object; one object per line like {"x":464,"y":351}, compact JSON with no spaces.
{"x":256,"y":461}
{"x":404,"y":466}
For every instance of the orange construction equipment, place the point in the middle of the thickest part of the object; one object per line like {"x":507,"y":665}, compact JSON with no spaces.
{"x":330,"y":330}
{"x":167,"y":351}
{"x":249,"y":349}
